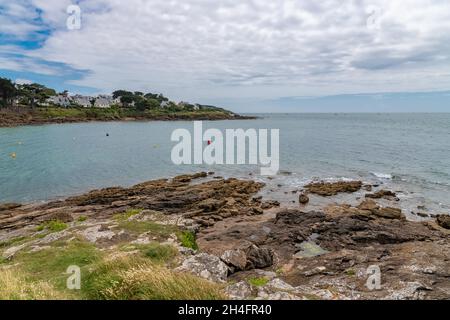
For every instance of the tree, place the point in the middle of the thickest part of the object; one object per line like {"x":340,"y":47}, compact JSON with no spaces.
{"x":121,"y":93}
{"x":7,"y":92}
{"x":35,"y":93}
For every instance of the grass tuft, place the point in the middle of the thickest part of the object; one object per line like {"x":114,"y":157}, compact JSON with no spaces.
{"x":52,"y":226}
{"x":258,"y":282}
{"x":188,"y":239}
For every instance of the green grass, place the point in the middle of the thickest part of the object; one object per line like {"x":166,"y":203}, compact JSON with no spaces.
{"x":51,"y":264}
{"x":127,"y":214}
{"x":82,"y":219}
{"x":258,"y":282}
{"x":156,"y":252}
{"x":187,"y":239}
{"x":52,"y":226}
{"x":160,"y":253}
{"x":350,"y":272}
{"x":12,"y":242}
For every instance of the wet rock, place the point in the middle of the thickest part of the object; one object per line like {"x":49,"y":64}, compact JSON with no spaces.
{"x":206,"y":266}
{"x":303,"y":198}
{"x":328,"y":189}
{"x":443,"y":221}
{"x":270,"y":204}
{"x":389,"y":213}
{"x":257,"y":211}
{"x":382,"y":194}
{"x":372,"y":208}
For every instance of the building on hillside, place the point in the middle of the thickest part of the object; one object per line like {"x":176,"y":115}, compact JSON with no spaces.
{"x":60,"y":100}
{"x":104,"y":101}
{"x":165,"y":104}
{"x":83,"y":101}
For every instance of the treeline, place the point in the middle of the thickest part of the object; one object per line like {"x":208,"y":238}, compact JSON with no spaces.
{"x":35,"y":95}
{"x":23,"y":94}
{"x":142,"y":101}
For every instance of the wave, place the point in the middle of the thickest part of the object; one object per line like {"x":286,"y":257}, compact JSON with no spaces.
{"x":383,"y":175}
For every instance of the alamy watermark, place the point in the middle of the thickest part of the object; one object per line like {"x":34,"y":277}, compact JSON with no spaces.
{"x":374,"y":278}
{"x":74,"y":280}
{"x":213,"y":147}
{"x":73,"y":21}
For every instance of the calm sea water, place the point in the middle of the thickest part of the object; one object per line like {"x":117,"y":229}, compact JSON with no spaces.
{"x":408,"y":152}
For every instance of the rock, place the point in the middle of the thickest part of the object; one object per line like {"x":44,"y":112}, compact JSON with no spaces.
{"x":239,"y":291}
{"x":381,"y":194}
{"x":248,"y":256}
{"x":371,"y":207}
{"x":303,"y":198}
{"x":11,"y":252}
{"x":9,"y":206}
{"x":211,"y":205}
{"x":236,"y":259}
{"x":206,"y":266}
{"x":327,"y":189}
{"x":96,"y":233}
{"x":421,"y":214}
{"x":443,"y":221}
{"x":367,"y":187}
{"x":257,"y":258}
{"x":278,"y":284}
{"x":389,"y":213}
{"x":270,"y":204}
{"x":409,"y":291}
{"x":257,"y":211}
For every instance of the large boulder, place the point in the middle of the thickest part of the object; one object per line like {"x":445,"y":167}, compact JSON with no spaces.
{"x":248,"y":256}
{"x":206,"y":266}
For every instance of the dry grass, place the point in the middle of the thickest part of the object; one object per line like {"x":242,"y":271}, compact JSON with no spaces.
{"x":131,"y":278}
{"x":14,"y":286}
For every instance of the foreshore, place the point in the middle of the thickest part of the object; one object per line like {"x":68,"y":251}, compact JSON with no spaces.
{"x":224,"y":232}
{"x":41,"y":116}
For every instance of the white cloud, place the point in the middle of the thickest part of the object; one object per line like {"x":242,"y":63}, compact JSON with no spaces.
{"x":202,"y":49}
{"x":23,"y":81}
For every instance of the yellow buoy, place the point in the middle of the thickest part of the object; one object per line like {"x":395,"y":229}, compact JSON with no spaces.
{"x":13,"y":155}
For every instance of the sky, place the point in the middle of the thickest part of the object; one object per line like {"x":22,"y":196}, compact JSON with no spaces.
{"x":244,"y":55}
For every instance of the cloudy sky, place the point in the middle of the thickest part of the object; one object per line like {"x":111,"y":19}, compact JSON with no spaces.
{"x":247,"y":55}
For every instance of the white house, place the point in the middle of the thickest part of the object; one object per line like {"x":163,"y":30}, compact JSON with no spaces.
{"x":60,"y":100}
{"x":104,"y":101}
{"x":83,"y":101}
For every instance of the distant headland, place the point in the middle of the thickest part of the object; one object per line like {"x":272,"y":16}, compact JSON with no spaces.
{"x":28,"y":104}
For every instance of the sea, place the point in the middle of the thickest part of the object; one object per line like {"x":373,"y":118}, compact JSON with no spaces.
{"x":406,"y":153}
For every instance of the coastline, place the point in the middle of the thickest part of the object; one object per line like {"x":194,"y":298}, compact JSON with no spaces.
{"x":257,"y":247}
{"x":11,"y":118}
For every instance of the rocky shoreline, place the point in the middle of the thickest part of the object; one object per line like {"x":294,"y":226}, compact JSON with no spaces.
{"x":251,"y":247}
{"x":29,"y":117}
